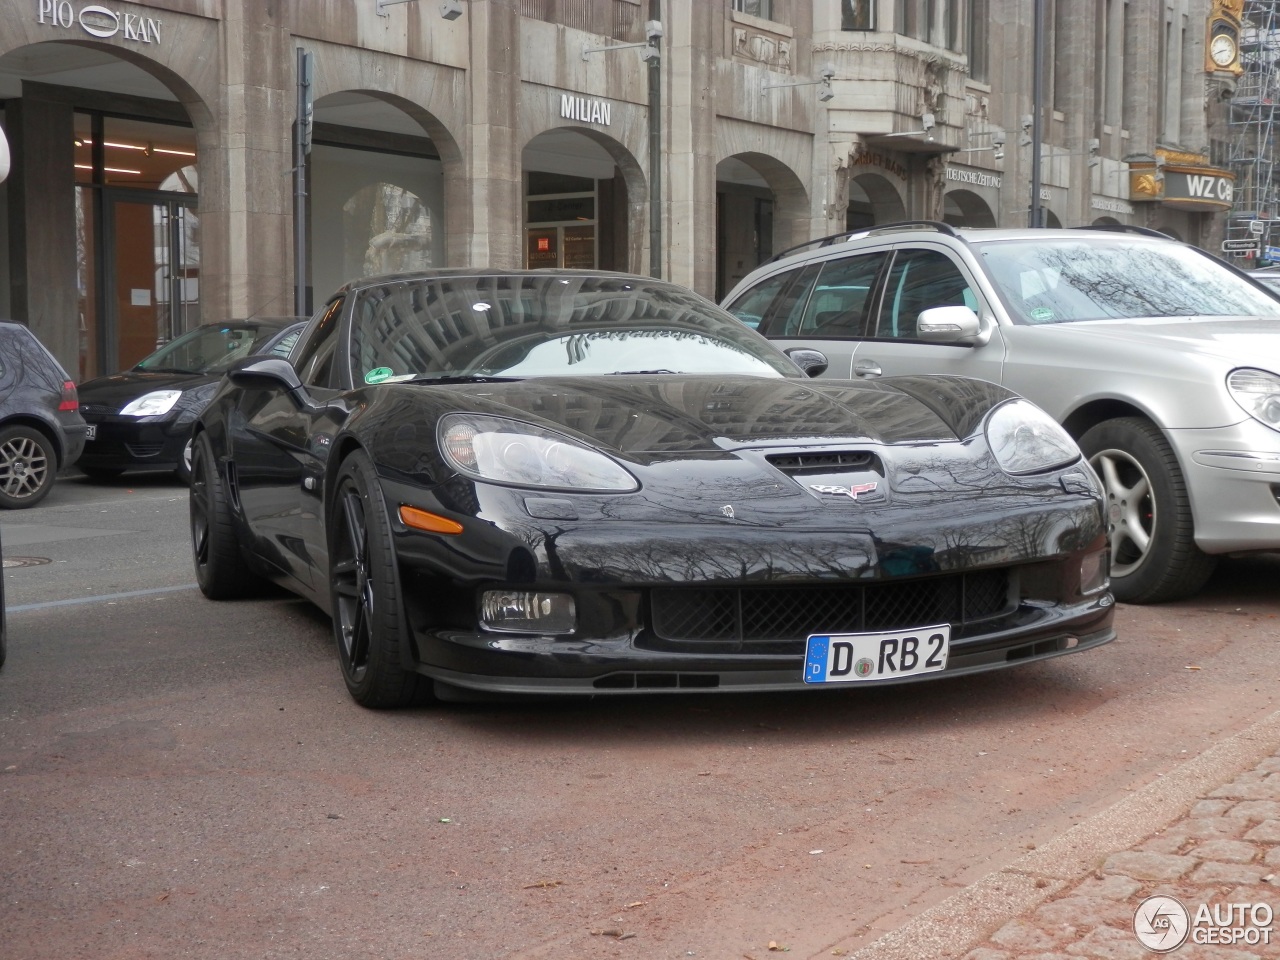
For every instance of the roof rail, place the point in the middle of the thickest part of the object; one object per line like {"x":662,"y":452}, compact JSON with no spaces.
{"x":936,"y":225}
{"x":1125,"y":228}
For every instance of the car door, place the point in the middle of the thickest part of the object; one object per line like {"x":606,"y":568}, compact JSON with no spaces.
{"x":277,"y":449}
{"x":917,"y":279}
{"x":831,"y":303}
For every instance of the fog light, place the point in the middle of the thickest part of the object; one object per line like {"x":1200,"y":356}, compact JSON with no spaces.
{"x":520,"y":611}
{"x":1093,"y":572}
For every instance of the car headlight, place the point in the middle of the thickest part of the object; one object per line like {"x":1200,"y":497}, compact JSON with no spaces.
{"x":1025,"y":439}
{"x":1259,"y":393}
{"x":508,"y":451}
{"x":151,"y":404}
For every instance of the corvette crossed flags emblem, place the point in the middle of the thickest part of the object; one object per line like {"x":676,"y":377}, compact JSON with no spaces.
{"x":852,"y":492}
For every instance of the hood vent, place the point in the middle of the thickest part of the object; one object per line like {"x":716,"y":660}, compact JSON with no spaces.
{"x":824,"y":461}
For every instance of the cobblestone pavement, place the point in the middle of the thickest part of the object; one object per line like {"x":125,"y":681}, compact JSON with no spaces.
{"x":1190,"y":835}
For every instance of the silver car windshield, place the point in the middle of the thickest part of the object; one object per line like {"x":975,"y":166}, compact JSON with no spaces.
{"x":530,"y":325}
{"x":1065,"y":281}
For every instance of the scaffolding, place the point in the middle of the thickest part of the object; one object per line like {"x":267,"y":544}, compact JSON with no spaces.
{"x":1254,"y":117}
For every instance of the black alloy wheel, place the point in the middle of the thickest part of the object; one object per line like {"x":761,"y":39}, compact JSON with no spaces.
{"x":220,"y":569}
{"x":28,"y":467}
{"x":369,"y":623}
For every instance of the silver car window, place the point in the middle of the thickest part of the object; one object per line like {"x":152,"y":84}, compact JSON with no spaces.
{"x":919,"y":280}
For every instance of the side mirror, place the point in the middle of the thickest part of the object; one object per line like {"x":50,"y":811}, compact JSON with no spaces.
{"x":265,"y":371}
{"x":813,"y":362}
{"x":948,"y":325}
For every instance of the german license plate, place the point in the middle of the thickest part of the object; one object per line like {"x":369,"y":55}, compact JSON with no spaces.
{"x":852,"y":657}
{"x":91,"y":432}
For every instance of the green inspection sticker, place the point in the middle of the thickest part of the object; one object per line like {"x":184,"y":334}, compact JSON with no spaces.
{"x":378,"y":374}
{"x":1041,"y":314}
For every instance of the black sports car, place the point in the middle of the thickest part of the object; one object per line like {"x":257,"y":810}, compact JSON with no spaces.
{"x":141,"y":419}
{"x":502,"y":482}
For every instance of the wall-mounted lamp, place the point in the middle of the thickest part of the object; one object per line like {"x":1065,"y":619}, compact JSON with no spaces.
{"x":449,"y":9}
{"x":926,"y":121}
{"x":1094,"y":145}
{"x":1027,"y":121}
{"x":649,"y":50}
{"x":825,"y":92}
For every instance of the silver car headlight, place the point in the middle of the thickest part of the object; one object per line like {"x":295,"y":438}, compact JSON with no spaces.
{"x":151,"y":404}
{"x":509,"y":451}
{"x":1025,"y":439}
{"x":1258,"y":392}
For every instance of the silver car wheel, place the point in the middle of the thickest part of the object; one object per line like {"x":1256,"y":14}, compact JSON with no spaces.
{"x":1131,"y":509}
{"x":186,"y":457}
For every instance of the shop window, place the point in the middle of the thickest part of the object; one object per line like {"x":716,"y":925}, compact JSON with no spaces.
{"x":128,"y":152}
{"x":755,"y":8}
{"x":857,"y":14}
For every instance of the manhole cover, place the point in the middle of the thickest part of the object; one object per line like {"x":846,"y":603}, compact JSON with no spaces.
{"x":25,"y":561}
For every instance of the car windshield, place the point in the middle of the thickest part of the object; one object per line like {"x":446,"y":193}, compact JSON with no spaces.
{"x":1064,"y":281}
{"x":530,"y":325}
{"x":209,"y":349}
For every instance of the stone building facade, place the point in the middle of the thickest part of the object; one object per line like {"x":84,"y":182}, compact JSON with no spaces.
{"x":154,"y":183}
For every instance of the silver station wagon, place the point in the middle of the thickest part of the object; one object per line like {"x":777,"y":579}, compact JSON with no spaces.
{"x":1161,"y":360}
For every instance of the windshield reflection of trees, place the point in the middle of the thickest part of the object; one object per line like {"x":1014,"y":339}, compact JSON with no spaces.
{"x":1064,"y":282}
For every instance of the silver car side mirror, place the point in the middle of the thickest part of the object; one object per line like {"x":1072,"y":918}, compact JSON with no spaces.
{"x":955,"y":324}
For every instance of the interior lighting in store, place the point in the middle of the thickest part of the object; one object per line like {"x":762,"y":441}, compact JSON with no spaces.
{"x":147,"y":149}
{"x":85,"y":166}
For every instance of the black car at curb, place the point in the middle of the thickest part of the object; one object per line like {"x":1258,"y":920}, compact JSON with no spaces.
{"x":584,"y":483}
{"x":141,"y":419}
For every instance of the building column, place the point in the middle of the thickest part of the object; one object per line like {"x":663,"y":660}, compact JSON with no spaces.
{"x":689,"y":147}
{"x":42,"y":224}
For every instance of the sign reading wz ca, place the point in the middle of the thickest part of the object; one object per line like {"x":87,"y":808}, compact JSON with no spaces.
{"x":98,"y":21}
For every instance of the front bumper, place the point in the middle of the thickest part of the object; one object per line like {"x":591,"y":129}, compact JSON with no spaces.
{"x":1233,"y":480}
{"x":128,"y":443}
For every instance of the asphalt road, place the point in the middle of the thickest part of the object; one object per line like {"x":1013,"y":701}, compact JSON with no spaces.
{"x":180,"y":778}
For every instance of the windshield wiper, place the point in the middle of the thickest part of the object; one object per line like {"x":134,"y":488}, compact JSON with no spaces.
{"x":628,"y":373}
{"x":460,"y":378}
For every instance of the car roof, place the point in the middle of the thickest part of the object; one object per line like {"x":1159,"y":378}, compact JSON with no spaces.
{"x":437,"y":273}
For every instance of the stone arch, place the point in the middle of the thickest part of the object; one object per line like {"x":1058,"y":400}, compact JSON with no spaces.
{"x":621,"y":198}
{"x":964,"y":208}
{"x":873,"y":199}
{"x":762,"y":208}
{"x":1051,"y":219}
{"x":1106,"y":222}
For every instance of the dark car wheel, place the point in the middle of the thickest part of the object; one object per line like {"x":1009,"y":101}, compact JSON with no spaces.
{"x":101,"y":473}
{"x":220,"y":570}
{"x":1154,"y":557}
{"x":28,"y":467}
{"x":369,"y":622}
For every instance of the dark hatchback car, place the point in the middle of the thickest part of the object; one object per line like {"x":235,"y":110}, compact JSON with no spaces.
{"x":41,"y":430}
{"x":141,"y":419}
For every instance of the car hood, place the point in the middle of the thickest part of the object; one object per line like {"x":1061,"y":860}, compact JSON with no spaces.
{"x":1236,"y":340}
{"x":112,"y":392}
{"x":640,"y":415}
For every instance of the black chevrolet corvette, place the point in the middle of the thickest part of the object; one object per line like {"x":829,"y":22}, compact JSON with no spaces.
{"x":506,"y":482}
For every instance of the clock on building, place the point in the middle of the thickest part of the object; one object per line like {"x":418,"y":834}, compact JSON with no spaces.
{"x":1222,"y":50}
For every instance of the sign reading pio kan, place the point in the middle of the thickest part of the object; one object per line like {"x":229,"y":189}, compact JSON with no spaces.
{"x":98,"y":21}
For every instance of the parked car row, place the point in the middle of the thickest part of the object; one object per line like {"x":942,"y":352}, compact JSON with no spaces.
{"x":140,"y":419}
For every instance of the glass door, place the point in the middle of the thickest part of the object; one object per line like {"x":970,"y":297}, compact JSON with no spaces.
{"x":152,"y":273}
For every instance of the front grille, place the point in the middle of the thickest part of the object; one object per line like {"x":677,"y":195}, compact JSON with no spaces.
{"x":772,"y":613}
{"x":824,"y":461}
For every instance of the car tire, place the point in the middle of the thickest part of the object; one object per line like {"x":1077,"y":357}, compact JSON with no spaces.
{"x":28,"y":467}
{"x":369,"y":622}
{"x":220,"y":568}
{"x":1154,"y":557}
{"x":101,"y":474}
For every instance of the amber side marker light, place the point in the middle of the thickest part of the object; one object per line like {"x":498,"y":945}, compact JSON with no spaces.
{"x":421,"y":520}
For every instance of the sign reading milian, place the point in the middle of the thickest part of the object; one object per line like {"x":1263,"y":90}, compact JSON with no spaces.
{"x":98,"y":21}
{"x":588,"y":111}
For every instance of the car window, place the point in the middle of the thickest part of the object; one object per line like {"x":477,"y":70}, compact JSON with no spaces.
{"x":315,"y":362}
{"x":918,"y":281}
{"x":789,"y":308}
{"x":753,"y":306}
{"x":1065,"y":281}
{"x":841,"y":298}
{"x":284,"y":345}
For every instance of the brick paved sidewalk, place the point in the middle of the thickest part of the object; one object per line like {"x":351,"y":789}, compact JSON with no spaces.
{"x":1188,"y":835}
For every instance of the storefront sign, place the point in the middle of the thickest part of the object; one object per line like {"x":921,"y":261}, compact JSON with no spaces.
{"x":588,"y":111}
{"x":889,"y":165}
{"x":1184,"y":188}
{"x":1109,"y":205}
{"x":98,"y":21}
{"x":974,"y":177}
